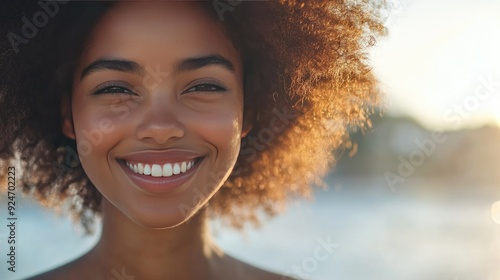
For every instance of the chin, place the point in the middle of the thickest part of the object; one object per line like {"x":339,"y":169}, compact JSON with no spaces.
{"x":159,"y":220}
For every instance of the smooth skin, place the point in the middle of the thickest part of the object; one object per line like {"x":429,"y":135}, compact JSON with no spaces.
{"x":156,"y":106}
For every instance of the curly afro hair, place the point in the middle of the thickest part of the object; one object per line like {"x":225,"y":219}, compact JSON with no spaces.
{"x":305,"y":64}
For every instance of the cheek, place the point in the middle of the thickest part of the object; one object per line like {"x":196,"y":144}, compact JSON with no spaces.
{"x":101,"y":132}
{"x":221,"y":129}
{"x":96,"y":134}
{"x":221,"y":132}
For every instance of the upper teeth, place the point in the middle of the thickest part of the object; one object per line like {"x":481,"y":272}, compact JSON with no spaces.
{"x":159,"y":170}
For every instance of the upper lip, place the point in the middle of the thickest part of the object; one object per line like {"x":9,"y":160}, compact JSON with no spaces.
{"x":161,"y":157}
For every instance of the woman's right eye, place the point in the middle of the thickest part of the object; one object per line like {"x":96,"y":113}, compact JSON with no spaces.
{"x":113,"y":90}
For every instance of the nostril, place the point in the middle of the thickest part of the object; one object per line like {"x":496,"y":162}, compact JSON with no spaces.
{"x":160,"y":123}
{"x":161,"y":134}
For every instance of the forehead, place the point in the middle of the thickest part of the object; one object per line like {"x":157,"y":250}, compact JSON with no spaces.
{"x":158,"y":32}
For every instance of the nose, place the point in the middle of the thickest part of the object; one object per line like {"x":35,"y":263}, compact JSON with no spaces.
{"x":160,"y":122}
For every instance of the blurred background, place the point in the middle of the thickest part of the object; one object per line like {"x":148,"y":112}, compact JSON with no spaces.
{"x":420,"y":199}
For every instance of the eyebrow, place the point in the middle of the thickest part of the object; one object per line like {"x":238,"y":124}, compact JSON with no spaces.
{"x":194,"y":63}
{"x":112,"y":64}
{"x":188,"y":64}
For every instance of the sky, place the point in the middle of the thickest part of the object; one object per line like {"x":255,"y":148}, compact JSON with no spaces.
{"x":440,"y":63}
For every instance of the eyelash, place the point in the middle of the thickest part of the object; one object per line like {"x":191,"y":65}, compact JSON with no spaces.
{"x":218,"y":88}
{"x":123,"y":89}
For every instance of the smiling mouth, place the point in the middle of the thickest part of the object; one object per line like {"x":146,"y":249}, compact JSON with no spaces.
{"x":161,"y":170}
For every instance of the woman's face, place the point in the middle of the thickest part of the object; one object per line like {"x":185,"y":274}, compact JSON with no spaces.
{"x":157,"y":109}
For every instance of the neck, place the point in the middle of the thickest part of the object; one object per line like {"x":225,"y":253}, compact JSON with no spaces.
{"x":184,"y":252}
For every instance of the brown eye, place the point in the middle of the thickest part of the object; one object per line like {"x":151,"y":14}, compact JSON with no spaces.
{"x":207,"y":88}
{"x":111,"y":88}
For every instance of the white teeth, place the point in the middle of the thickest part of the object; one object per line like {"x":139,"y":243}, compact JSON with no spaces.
{"x":147,"y":169}
{"x":177,"y":169}
{"x":156,"y":170}
{"x":167,"y":169}
{"x":159,"y":170}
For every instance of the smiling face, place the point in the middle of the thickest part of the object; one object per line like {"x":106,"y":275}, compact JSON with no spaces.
{"x":158,"y":91}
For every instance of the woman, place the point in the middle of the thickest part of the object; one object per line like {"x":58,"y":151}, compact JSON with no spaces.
{"x":157,"y":115}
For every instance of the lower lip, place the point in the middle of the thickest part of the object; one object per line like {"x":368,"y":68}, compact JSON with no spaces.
{"x":159,"y":184}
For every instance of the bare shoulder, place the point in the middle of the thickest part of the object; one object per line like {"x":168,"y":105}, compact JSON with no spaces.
{"x":267,"y":275}
{"x":245,"y":271}
{"x":67,"y":271}
{"x":233,"y":269}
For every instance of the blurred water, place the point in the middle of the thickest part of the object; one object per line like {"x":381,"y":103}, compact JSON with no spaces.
{"x":378,"y":234}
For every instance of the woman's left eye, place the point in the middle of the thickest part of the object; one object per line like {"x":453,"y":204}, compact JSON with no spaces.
{"x":206,"y":88}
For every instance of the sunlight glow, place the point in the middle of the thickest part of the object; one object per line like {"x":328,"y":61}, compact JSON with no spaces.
{"x":433,"y":61}
{"x":495,"y":212}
